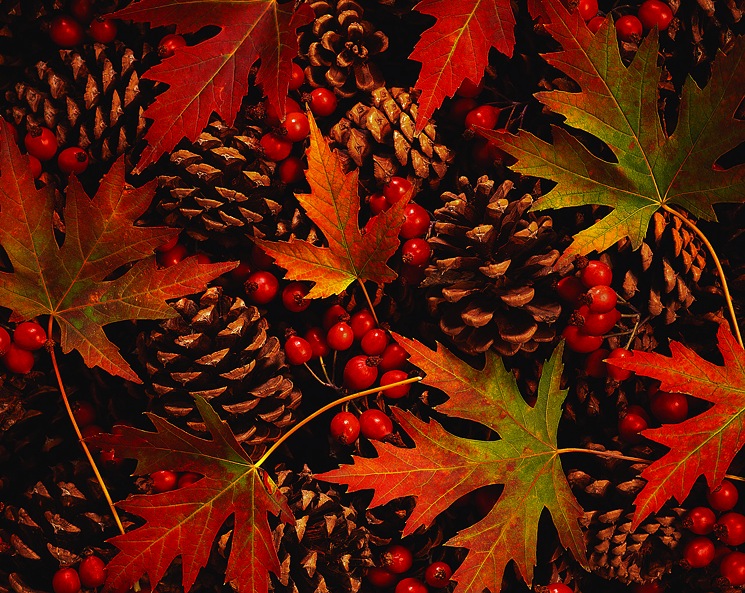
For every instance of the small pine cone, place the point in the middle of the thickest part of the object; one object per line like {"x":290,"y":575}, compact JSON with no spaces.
{"x":339,"y":46}
{"x":616,"y":552}
{"x":327,"y":549}
{"x":219,"y":348}
{"x":383,"y":134}
{"x":662,"y":277}
{"x":492,"y":270}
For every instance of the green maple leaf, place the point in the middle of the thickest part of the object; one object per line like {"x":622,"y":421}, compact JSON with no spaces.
{"x":70,"y":282}
{"x":618,"y":105}
{"x":442,"y":467}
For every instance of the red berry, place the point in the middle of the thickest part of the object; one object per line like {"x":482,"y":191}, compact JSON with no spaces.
{"x":333,"y":315}
{"x":172,"y":256}
{"x":84,"y":413}
{"x":374,"y":342}
{"x":5,"y":341}
{"x":360,"y":372}
{"x":378,"y":203}
{"x":291,"y":170}
{"x":41,"y":143}
{"x":594,"y":365}
{"x":396,"y":189}
{"x":599,"y":324}
{"x":168,"y":245}
{"x":297,"y":77}
{"x":322,"y":102}
{"x":460,"y":108}
{"x":669,"y":408}
{"x":699,"y":552}
{"x":187,"y":479}
{"x":163,"y":480}
{"x":578,"y":342}
{"x":92,"y":572}
{"x":72,"y":160}
{"x":261,"y":287}
{"x":630,"y":427}
{"x":293,"y":297}
{"x":298,"y":350}
{"x":82,"y":10}
{"x":570,"y":289}
{"x":416,"y":222}
{"x":723,"y":497}
{"x":654,"y":13}
{"x":596,"y":273}
{"x":394,"y":358}
{"x":275,"y":148}
{"x":375,"y":425}
{"x":18,"y":360}
{"x":411,"y":585}
{"x":595,"y":23}
{"x":66,"y":580}
{"x":484,"y":116}
{"x":416,"y":252}
{"x":34,"y":165}
{"x":617,"y":373}
{"x":394,"y":377}
{"x":629,"y":28}
{"x":296,"y":127}
{"x":317,"y":340}
{"x":730,"y":529}
{"x":468,"y":89}
{"x":559,"y":588}
{"x":380,"y":577}
{"x":397,"y":559}
{"x":362,"y":322}
{"x":587,"y":9}
{"x":731,"y":568}
{"x":345,"y":428}
{"x":700,"y":520}
{"x":65,"y":31}
{"x":103,"y":30}
{"x":438,"y":574}
{"x":169,"y":44}
{"x":602,"y":299}
{"x":291,"y":106}
{"x":340,"y":336}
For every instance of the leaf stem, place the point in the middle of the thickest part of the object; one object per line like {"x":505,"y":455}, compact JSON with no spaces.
{"x":87,"y":451}
{"x":326,"y":408}
{"x":369,"y":302}
{"x":727,"y":297}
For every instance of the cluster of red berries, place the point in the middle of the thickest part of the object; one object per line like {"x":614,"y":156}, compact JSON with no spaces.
{"x":395,"y":561}
{"x":172,"y":252}
{"x":666,"y":408}
{"x":68,"y":29}
{"x":630,"y":27}
{"x":90,"y":574}
{"x":165,"y":480}
{"x":17,"y":353}
{"x":728,"y":527}
{"x":41,"y":146}
{"x":594,"y":316}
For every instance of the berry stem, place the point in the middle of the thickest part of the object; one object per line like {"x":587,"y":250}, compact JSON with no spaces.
{"x":369,"y":302}
{"x":727,"y":297}
{"x":316,"y":377}
{"x":326,"y":408}
{"x":325,"y":372}
{"x":634,"y":330}
{"x":87,"y":451}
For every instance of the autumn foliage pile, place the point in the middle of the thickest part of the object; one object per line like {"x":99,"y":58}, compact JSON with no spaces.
{"x":371,"y":296}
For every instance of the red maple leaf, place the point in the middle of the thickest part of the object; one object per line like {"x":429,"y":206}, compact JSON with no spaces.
{"x":185,"y":522}
{"x":457,"y":46}
{"x":703,"y":445}
{"x":213,"y":75}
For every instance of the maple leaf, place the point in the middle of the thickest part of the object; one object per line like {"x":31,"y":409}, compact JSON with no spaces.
{"x":69,"y":282}
{"x":618,"y":105}
{"x":442,"y":467}
{"x":186,"y":521}
{"x":213,"y":75}
{"x":457,"y":46}
{"x":703,"y":445}
{"x":334,"y":206}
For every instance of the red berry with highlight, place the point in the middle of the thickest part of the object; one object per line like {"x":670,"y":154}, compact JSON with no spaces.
{"x":172,"y":256}
{"x":599,"y":324}
{"x":630,"y":427}
{"x":601,"y":299}
{"x":17,"y":360}
{"x":654,"y":13}
{"x":394,"y":377}
{"x":411,"y":585}
{"x":629,"y":28}
{"x":381,"y":578}
{"x":724,"y":497}
{"x":438,"y":574}
{"x":394,"y":357}
{"x":416,"y":222}
{"x":732,"y":568}
{"x":298,"y":350}
{"x":375,"y":425}
{"x":72,"y":160}
{"x":261,"y":287}
{"x":34,"y":165}
{"x":374,"y":342}
{"x":169,"y":44}
{"x":396,"y":189}
{"x":66,"y":32}
{"x":163,"y":480}
{"x":66,"y":580}
{"x":484,"y":116}
{"x":291,"y":170}
{"x":297,"y":77}
{"x":340,"y":336}
{"x":378,"y":203}
{"x":345,"y":428}
{"x":322,"y":102}
{"x":293,"y":297}
{"x":41,"y":143}
{"x":699,"y":552}
{"x":296,"y":126}
{"x":187,"y":479}
{"x":103,"y":30}
{"x":617,"y":373}
{"x":595,"y":23}
{"x":700,"y":520}
{"x":576,"y":341}
{"x":558,"y":588}
{"x":587,"y":9}
{"x":730,"y":529}
{"x":316,"y":337}
{"x":397,"y":559}
{"x":362,"y":322}
{"x":669,"y":408}
{"x":29,"y":335}
{"x":360,"y":372}
{"x":92,"y":572}
{"x":416,"y":252}
{"x":596,"y":273}
{"x":275,"y":148}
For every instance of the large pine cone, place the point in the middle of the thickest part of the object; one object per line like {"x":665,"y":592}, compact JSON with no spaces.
{"x":491,"y":274}
{"x":219,"y":348}
{"x":381,"y":138}
{"x":339,"y":45}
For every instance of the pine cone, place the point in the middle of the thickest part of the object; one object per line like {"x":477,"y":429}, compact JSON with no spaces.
{"x":327,"y":548}
{"x":219,"y":348}
{"x":616,"y":552}
{"x":491,"y":272}
{"x":383,"y":134}
{"x":339,"y":46}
